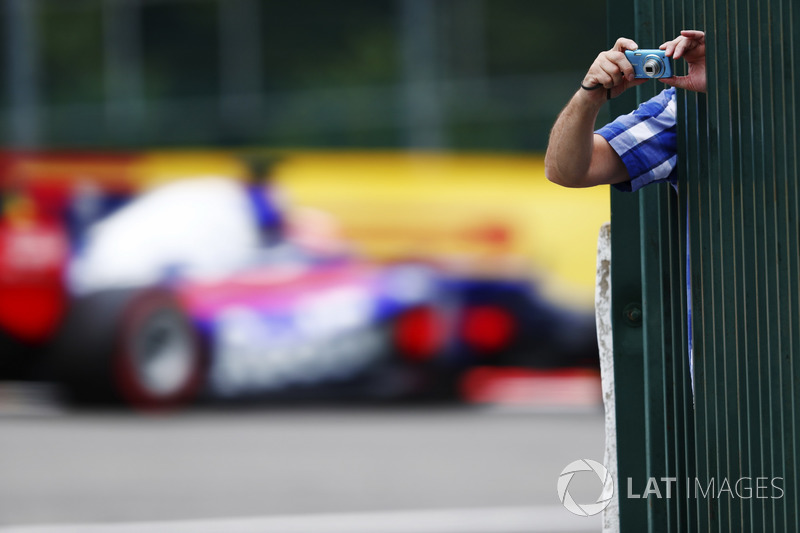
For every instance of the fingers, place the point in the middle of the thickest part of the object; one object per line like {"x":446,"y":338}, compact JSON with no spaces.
{"x":685,"y":46}
{"x":610,"y":69}
{"x":669,"y":47}
{"x":682,"y":82}
{"x":614,"y":68}
{"x":676,"y":48}
{"x":694,"y":34}
{"x":602,"y":73}
{"x":674,"y":81}
{"x":682,"y":47}
{"x":623,"y":44}
{"x":686,"y":42}
{"x":618,"y":66}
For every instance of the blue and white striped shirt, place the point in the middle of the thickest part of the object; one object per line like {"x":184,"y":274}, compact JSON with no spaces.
{"x":646,"y":141}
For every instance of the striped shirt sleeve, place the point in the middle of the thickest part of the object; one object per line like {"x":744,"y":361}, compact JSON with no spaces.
{"x":646,"y":141}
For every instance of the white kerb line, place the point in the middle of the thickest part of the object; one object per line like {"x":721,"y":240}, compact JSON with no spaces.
{"x":534,"y":519}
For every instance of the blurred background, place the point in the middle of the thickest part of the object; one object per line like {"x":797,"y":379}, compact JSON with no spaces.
{"x":295,"y":261}
{"x":445,"y":74}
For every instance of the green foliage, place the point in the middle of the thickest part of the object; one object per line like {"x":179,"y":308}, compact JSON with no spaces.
{"x":320,"y":43}
{"x":526,"y":36}
{"x":71,"y":48}
{"x":180,"y":43}
{"x":332,"y":72}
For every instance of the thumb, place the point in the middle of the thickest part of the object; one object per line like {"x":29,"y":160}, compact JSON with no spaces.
{"x":681,"y":82}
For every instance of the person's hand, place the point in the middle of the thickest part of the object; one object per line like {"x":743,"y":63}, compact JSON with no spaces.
{"x":690,"y":45}
{"x":612,"y":70}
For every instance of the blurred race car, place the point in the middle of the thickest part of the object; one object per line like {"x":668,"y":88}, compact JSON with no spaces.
{"x":203,"y":287}
{"x":504,"y":321}
{"x":212,"y":287}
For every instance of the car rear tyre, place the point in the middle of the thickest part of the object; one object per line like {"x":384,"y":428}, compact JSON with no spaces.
{"x":137,"y":347}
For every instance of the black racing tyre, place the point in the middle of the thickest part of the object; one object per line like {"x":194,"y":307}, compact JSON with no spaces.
{"x":16,"y":358}
{"x":135,"y":346}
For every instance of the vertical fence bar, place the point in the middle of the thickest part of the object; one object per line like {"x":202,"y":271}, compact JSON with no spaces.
{"x":626,"y":303}
{"x":648,"y":27}
{"x":757,"y":166}
{"x":789,"y":17}
{"x":22,"y":73}
{"x":739,"y":395}
{"x":654,"y":280}
{"x":124,"y":75}
{"x":691,"y":134}
{"x":700,"y":233}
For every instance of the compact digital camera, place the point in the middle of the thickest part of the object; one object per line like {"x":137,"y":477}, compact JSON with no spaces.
{"x":650,"y":63}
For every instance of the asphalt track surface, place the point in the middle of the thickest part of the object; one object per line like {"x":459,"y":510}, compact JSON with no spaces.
{"x":428,"y":469}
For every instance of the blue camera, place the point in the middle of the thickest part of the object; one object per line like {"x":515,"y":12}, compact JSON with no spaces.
{"x":649,"y":63}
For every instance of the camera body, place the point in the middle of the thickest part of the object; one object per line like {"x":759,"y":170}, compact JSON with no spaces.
{"x":649,"y":63}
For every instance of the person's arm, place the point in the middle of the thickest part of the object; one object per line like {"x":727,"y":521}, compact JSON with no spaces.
{"x":576,"y":157}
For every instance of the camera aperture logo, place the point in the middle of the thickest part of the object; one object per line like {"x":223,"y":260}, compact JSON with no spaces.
{"x":586,"y":509}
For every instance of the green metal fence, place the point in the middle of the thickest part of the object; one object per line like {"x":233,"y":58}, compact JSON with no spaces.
{"x":732,"y":443}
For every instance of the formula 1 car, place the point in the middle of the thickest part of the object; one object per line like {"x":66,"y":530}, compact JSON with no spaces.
{"x":208,"y":288}
{"x":199,"y":288}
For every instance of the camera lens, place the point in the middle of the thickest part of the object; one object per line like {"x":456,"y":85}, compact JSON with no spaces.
{"x":652,"y":67}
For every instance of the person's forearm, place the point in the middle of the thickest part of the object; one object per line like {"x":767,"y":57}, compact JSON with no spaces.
{"x":569,"y":152}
